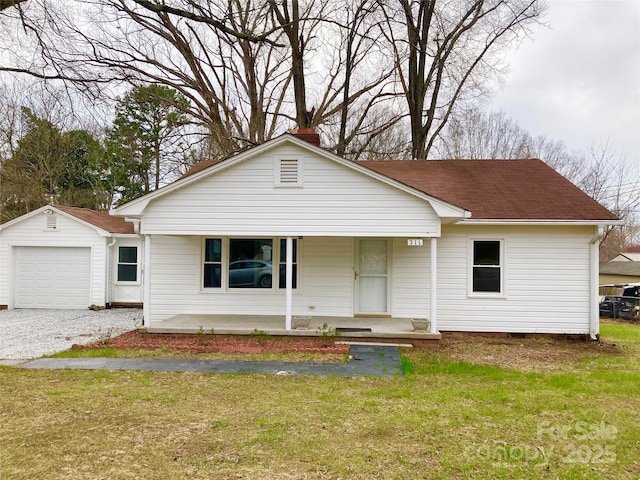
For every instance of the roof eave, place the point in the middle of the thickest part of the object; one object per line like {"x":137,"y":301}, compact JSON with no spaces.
{"x":540,"y":222}
{"x":100,"y":231}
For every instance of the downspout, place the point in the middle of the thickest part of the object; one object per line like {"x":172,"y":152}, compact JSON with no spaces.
{"x":594,"y":310}
{"x":108,"y":289}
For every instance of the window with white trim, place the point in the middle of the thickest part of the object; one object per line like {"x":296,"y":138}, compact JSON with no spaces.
{"x":487,"y":268}
{"x":250,"y":263}
{"x":127,"y":264}
{"x":282,"y":278}
{"x":212,"y":263}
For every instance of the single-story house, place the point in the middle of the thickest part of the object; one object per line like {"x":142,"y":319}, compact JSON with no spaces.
{"x":622,"y":269}
{"x":64,"y":257}
{"x":288,"y":229}
{"x":619,"y":272}
{"x":630,"y":254}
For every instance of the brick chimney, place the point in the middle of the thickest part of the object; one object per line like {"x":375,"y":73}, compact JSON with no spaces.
{"x":307,"y":134}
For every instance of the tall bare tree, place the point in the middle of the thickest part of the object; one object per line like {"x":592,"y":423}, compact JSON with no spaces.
{"x":252,"y":68}
{"x":443,"y":53}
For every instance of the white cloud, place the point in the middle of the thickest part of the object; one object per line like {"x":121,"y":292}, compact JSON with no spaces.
{"x":579,"y":80}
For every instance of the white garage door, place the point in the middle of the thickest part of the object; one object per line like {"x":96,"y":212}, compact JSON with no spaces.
{"x":52,"y":277}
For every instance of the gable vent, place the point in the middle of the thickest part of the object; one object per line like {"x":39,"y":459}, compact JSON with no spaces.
{"x":289,"y":174}
{"x":52,"y":221}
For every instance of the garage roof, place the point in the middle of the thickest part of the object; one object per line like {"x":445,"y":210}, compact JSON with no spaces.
{"x":103,"y":220}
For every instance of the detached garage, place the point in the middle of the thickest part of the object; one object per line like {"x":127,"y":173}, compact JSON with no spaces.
{"x":71,"y":258}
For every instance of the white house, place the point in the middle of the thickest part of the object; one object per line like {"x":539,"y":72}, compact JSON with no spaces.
{"x":64,"y":257}
{"x":288,"y":229}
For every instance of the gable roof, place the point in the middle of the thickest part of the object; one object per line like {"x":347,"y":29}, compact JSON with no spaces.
{"x":100,"y":220}
{"x":103,"y":220}
{"x":201,"y":165}
{"x":491,"y":190}
{"x":205,"y":168}
{"x":631,"y":269}
{"x":497,"y":189}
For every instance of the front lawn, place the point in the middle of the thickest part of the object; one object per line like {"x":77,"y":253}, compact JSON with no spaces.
{"x":472,"y":408}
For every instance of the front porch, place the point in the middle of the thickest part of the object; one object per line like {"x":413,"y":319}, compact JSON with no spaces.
{"x":356,"y":328}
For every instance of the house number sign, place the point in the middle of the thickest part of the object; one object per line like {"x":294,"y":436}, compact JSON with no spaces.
{"x":414,"y":242}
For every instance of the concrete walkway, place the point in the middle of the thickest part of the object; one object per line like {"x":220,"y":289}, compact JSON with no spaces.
{"x":366,"y":360}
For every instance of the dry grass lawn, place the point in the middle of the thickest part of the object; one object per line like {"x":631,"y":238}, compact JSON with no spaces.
{"x":475,"y":407}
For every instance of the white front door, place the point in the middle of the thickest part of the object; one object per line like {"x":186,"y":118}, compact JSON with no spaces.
{"x":372,"y":279}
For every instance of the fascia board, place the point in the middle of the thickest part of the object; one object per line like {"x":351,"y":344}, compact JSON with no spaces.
{"x":542,"y":222}
{"x":101,"y":232}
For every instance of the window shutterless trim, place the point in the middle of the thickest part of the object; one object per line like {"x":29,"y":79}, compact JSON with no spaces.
{"x":135,"y":264}
{"x":475,"y":266}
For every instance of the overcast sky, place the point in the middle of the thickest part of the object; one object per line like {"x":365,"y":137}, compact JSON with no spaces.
{"x":579,"y":79}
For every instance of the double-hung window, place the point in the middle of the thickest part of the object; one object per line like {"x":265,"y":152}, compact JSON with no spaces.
{"x":127,"y":264}
{"x":212,"y":263}
{"x":282,"y":278}
{"x":487,"y":268}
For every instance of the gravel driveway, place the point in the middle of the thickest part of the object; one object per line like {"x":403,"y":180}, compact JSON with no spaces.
{"x":26,"y":334}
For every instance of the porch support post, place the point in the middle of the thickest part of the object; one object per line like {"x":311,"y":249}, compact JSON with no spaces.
{"x":433,"y":286}
{"x":289,"y":282}
{"x":146,"y":282}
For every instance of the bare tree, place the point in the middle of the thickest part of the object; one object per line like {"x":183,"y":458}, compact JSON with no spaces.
{"x":443,"y":51}
{"x":474,"y":134}
{"x":251,"y":69}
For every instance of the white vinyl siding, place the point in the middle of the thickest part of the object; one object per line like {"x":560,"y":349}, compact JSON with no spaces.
{"x":410,"y":280}
{"x":31,"y":233}
{"x":546,"y":281}
{"x":325,"y":276}
{"x":125,"y":292}
{"x":335,"y":201}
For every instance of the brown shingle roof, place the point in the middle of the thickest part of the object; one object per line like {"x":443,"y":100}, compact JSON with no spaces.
{"x":497,"y":189}
{"x":103,"y":220}
{"x":620,"y":268}
{"x":201,"y":165}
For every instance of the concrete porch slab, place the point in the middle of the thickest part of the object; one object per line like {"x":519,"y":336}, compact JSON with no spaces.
{"x":354,"y":327}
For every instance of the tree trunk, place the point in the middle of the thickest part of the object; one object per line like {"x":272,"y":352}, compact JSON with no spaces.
{"x":291,"y":26}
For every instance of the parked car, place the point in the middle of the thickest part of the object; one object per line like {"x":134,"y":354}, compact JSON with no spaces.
{"x":250,"y":274}
{"x":626,"y":306}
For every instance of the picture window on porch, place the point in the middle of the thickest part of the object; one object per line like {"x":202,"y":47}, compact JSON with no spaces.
{"x":487,"y":266}
{"x":282,"y":279}
{"x":213,"y":263}
{"x":127,"y":264}
{"x":250,"y":263}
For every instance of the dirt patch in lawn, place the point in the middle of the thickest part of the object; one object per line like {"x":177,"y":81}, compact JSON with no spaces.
{"x":533,"y":353}
{"x":203,"y":343}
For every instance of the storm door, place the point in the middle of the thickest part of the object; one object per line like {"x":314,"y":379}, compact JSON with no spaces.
{"x":371,"y":276}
